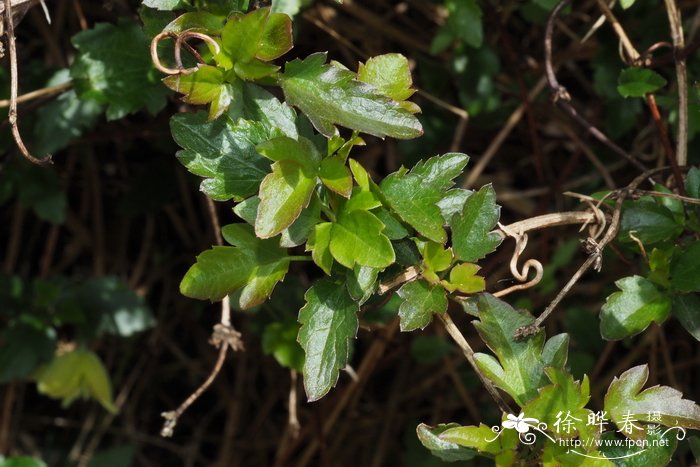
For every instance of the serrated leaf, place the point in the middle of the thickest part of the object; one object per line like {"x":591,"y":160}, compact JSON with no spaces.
{"x":685,"y":269}
{"x":114,"y":67}
{"x":637,"y":82}
{"x":475,"y":437}
{"x":283,"y":194}
{"x":336,"y":176}
{"x":632,"y":310}
{"x":79,"y":373}
{"x":196,"y":21}
{"x":414,"y":195}
{"x":447,"y":451}
{"x":166,"y":5}
{"x":421,"y":301}
{"x":206,"y":85}
{"x":356,"y":238}
{"x":252,"y":265}
{"x":472,"y":238}
{"x":658,"y":451}
{"x":319,"y":245}
{"x":330,"y":95}
{"x":519,"y":369}
{"x":391,"y":76}
{"x":259,"y":34}
{"x":436,"y":257}
{"x":686,"y":308}
{"x":649,"y":222}
{"x":299,"y":150}
{"x":297,"y":233}
{"x":258,"y":105}
{"x":453,"y":202}
{"x":393,"y":228}
{"x":624,"y":400}
{"x":329,"y":322}
{"x":223,"y":152}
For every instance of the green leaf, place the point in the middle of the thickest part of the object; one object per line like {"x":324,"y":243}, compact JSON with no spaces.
{"x":330,"y":95}
{"x":472,"y":238}
{"x":26,"y":343}
{"x":624,"y":400}
{"x":447,"y":451}
{"x":356,"y":238}
{"x":39,"y":189}
{"x":258,"y":105}
{"x":464,"y":23}
{"x":436,"y":257}
{"x":361,"y":282}
{"x":336,"y":176}
{"x":252,"y":265}
{"x":391,"y":76}
{"x":637,"y":82}
{"x":297,"y":233}
{"x":463,"y":278}
{"x":329,"y":321}
{"x":685,"y":269}
{"x":632,"y":310}
{"x":289,"y":7}
{"x":649,"y":222}
{"x":319,"y":245}
{"x":280,"y":340}
{"x":259,"y":34}
{"x":167,"y":5}
{"x":113,"y":67}
{"x":413,"y":195}
{"x":519,"y":369}
{"x":223,"y":152}
{"x":196,"y":21}
{"x":393,"y":228}
{"x":625,"y":4}
{"x":658,"y":453}
{"x":453,"y":202}
{"x":79,"y":373}
{"x":207,"y":85}
{"x":692,"y":182}
{"x":299,"y":150}
{"x":686,"y":308}
{"x":283,"y":194}
{"x":421,"y":301}
{"x":21,"y":461}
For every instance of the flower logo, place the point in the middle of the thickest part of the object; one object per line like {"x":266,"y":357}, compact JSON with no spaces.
{"x":520,"y":423}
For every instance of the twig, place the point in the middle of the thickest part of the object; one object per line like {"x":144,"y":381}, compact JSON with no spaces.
{"x":674,"y":18}
{"x":665,"y":141}
{"x":12,"y":115}
{"x":459,"y":339}
{"x":562,"y":97}
{"x":595,"y":253}
{"x":632,"y":53}
{"x":44,"y":92}
{"x":293,"y":420}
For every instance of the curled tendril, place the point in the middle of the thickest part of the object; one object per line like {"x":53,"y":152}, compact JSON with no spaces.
{"x":522,"y":274}
{"x":180,"y":42}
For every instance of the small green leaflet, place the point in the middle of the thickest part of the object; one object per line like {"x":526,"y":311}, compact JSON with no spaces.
{"x":447,"y":451}
{"x":113,"y":67}
{"x":685,"y":269}
{"x":391,"y":76}
{"x":472,"y":238}
{"x":79,"y":373}
{"x":421,"y":301}
{"x":649,"y":222}
{"x":519,"y":369}
{"x":413,"y":195}
{"x":206,"y":85}
{"x":637,"y":82}
{"x":624,"y":400}
{"x":331,"y":95}
{"x":256,"y":37}
{"x":252,"y":265}
{"x":319,"y":245}
{"x":279,"y":339}
{"x":223,"y":152}
{"x":482,"y":439}
{"x":329,"y":321}
{"x":356,"y":238}
{"x":632,"y":310}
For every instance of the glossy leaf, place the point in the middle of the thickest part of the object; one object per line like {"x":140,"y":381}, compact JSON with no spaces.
{"x":658,"y":452}
{"x":447,"y":451}
{"x":330,"y":95}
{"x":413,"y":195}
{"x":280,"y":340}
{"x":391,"y":76}
{"x":207,"y":85}
{"x":329,"y":321}
{"x":259,"y":34}
{"x":336,"y":176}
{"x":356,"y":238}
{"x":283,"y":194}
{"x":421,"y":301}
{"x":319,"y":245}
{"x":126,"y":81}
{"x":362,"y":282}
{"x":222,"y":152}
{"x":519,"y":369}
{"x":464,"y":279}
{"x":472,"y":238}
{"x":625,"y":398}
{"x":649,"y":222}
{"x":633,"y":309}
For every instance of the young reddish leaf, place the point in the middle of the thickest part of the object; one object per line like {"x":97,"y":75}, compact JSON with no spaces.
{"x":624,"y":401}
{"x":330,"y":95}
{"x":421,"y":301}
{"x":329,"y":321}
{"x":413,"y":195}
